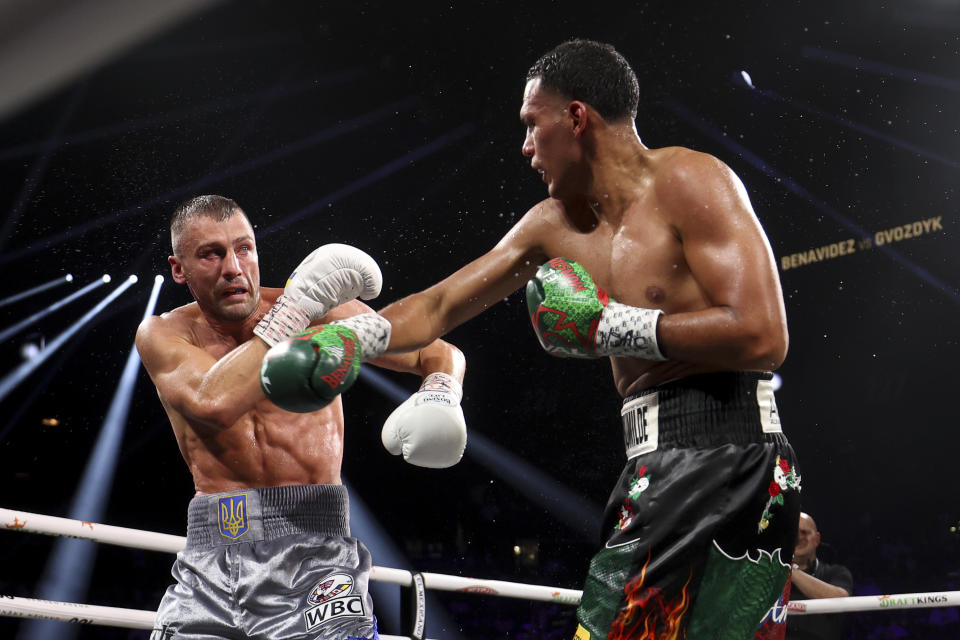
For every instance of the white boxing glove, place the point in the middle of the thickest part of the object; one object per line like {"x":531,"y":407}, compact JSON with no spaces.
{"x":328,"y":277}
{"x":428,"y":428}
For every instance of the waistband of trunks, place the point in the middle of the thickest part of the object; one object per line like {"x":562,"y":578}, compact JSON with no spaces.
{"x":704,"y":410}
{"x":265,"y":513}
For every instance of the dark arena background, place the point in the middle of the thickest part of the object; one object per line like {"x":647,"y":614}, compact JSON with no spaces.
{"x":394,"y":127}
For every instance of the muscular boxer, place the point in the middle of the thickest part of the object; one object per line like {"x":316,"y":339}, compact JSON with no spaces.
{"x":269,"y":553}
{"x":654,"y":259}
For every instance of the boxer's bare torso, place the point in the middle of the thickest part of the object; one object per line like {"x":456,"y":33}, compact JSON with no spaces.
{"x":681,"y":237}
{"x":264,"y":445}
{"x":671,"y":229}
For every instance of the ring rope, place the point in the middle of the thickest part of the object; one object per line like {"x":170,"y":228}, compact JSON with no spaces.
{"x":139,"y":619}
{"x":64,"y":527}
{"x":80,"y":613}
{"x":88,"y":614}
{"x":927,"y":600}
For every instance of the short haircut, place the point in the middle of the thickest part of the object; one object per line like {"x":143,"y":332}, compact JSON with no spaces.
{"x":216,"y":207}
{"x":592,"y":72}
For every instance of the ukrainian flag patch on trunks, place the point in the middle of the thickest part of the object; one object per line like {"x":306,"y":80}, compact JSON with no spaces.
{"x":233,"y":516}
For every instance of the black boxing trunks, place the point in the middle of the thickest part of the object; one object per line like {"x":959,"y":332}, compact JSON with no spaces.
{"x":701,"y":527}
{"x":272,"y":563}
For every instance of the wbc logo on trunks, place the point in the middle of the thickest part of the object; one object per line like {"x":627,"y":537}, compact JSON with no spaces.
{"x":331,"y":587}
{"x":233,"y":516}
{"x":333,"y":600}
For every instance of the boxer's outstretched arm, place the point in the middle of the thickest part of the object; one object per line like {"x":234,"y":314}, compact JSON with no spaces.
{"x":422,"y":317}
{"x":314,"y":367}
{"x":437,"y":356}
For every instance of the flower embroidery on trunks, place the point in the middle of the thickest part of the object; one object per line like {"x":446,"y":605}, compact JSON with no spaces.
{"x":638,"y":485}
{"x":785,"y":478}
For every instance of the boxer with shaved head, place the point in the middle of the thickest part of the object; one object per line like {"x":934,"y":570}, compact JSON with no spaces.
{"x":269,"y":553}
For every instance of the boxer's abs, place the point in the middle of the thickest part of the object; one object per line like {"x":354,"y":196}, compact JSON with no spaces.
{"x":258,"y":454}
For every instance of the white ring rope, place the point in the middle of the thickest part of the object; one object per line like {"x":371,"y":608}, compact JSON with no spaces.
{"x":139,"y":619}
{"x":82,"y":613}
{"x":66,"y":528}
{"x":928,"y":600}
{"x":88,"y":614}
{"x":137,"y":539}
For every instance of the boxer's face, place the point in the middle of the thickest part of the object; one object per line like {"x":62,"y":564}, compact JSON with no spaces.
{"x":550,"y":142}
{"x":220,"y":266}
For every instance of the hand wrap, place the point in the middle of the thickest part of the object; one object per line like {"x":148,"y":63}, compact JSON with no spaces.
{"x":573,"y":317}
{"x":328,"y":277}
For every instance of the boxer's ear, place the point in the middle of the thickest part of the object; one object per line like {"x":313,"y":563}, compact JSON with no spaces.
{"x":176,"y":270}
{"x":579,"y":117}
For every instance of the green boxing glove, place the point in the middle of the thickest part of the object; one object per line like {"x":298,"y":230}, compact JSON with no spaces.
{"x":306,"y":372}
{"x":573,"y":317}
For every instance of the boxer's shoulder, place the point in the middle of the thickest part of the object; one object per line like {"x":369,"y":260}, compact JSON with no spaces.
{"x":175,"y":320}
{"x":666,"y":160}
{"x":547,"y":221}
{"x":548,"y":210}
{"x":687,"y":182}
{"x":186,"y":323}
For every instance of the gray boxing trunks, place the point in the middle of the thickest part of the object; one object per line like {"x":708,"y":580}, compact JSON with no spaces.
{"x":273,"y":563}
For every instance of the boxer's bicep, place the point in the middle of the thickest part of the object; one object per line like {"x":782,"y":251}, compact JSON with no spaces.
{"x":730,"y":259}
{"x":723,"y":242}
{"x":176,"y":367}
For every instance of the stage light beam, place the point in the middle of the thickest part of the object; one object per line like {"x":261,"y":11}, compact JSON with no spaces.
{"x":861,"y":128}
{"x":320,"y":137}
{"x":11,"y":331}
{"x":570,"y":508}
{"x":365,"y":526}
{"x":18,"y":375}
{"x":67,"y":574}
{"x":37,"y":289}
{"x":374,"y":176}
{"x":217,"y":106}
{"x":858,"y":63}
{"x":700,"y":123}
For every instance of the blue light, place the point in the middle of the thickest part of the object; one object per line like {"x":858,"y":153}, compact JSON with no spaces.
{"x":67,"y":574}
